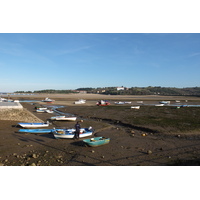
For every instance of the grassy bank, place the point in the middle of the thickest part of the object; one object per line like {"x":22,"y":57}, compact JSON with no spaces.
{"x":166,"y":120}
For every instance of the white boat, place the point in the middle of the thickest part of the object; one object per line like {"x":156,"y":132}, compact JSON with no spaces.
{"x":63,"y":118}
{"x":164,"y":102}
{"x":34,"y":125}
{"x":2,"y":99}
{"x":120,"y":102}
{"x":159,"y":104}
{"x":80,"y":101}
{"x":135,"y":107}
{"x":42,"y":108}
{"x":49,"y":111}
{"x":47,"y":100}
{"x":40,"y":111}
{"x":69,"y":133}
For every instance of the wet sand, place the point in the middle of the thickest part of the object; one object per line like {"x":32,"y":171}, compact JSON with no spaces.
{"x":128,"y":146}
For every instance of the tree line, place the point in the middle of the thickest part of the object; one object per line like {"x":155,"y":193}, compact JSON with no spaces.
{"x":166,"y":91}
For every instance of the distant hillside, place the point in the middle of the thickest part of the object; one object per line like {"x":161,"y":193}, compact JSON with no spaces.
{"x":194,"y":91}
{"x":166,"y":91}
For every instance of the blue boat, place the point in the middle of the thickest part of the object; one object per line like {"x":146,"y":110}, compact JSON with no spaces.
{"x":35,"y":130}
{"x":97,"y":141}
{"x":69,"y":133}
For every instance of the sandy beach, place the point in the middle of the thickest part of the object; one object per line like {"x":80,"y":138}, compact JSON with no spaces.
{"x":129,"y":146}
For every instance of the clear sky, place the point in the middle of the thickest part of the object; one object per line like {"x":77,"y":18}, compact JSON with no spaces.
{"x":35,"y":61}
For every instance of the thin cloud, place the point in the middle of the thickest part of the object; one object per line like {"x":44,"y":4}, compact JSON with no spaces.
{"x":194,"y":54}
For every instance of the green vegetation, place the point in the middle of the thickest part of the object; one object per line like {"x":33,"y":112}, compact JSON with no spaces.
{"x":162,"y":120}
{"x":166,"y":91}
{"x":50,"y":91}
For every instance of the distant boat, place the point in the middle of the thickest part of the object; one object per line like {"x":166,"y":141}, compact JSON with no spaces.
{"x":49,"y":111}
{"x":159,"y":104}
{"x":63,"y":118}
{"x":34,"y":125}
{"x":97,"y":141}
{"x":80,"y":101}
{"x":120,"y":102}
{"x":48,"y":100}
{"x":135,"y":107}
{"x":41,"y":108}
{"x":40,"y":111}
{"x":164,"y":102}
{"x":69,"y":133}
{"x":103,"y":103}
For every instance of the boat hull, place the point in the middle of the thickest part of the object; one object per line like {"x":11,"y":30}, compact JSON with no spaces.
{"x":97,"y":141}
{"x":63,"y":118}
{"x":69,"y":133}
{"x":33,"y":125}
{"x":35,"y":130}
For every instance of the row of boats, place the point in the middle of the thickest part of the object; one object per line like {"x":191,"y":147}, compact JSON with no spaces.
{"x":59,"y":133}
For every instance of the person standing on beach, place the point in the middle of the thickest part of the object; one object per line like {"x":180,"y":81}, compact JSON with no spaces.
{"x":77,"y":130}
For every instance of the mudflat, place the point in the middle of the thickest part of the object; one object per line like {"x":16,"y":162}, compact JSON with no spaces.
{"x":150,"y":136}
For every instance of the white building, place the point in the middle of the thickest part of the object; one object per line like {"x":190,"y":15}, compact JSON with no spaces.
{"x":120,"y":88}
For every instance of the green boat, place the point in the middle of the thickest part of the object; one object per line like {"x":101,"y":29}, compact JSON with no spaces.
{"x":96,"y":141}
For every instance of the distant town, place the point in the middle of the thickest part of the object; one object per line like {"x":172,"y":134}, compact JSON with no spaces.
{"x":168,"y":91}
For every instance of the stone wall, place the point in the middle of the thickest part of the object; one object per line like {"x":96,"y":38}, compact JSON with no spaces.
{"x":22,"y":115}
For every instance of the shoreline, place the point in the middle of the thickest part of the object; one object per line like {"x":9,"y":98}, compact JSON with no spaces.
{"x":128,"y":146}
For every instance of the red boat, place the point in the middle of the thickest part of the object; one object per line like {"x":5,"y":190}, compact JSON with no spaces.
{"x":102,"y":103}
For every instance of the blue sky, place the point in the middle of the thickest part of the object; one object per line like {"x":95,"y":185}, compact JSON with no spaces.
{"x":36,"y":61}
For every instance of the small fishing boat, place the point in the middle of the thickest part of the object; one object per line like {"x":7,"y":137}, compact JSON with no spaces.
{"x":80,"y":101}
{"x":103,"y":103}
{"x":159,"y":104}
{"x":35,"y":130}
{"x":48,"y":100}
{"x":40,"y":111}
{"x":41,"y":108}
{"x":69,"y":133}
{"x":34,"y":125}
{"x":63,"y":118}
{"x":135,"y":107}
{"x":49,"y":111}
{"x":120,"y":102}
{"x":97,"y":141}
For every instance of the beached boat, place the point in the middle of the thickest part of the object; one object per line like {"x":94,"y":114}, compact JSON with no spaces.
{"x":63,"y":118}
{"x":48,"y":100}
{"x":80,"y":101}
{"x":103,"y":103}
{"x":41,"y":108}
{"x":97,"y":141}
{"x":35,"y":130}
{"x":69,"y":133}
{"x":120,"y":102}
{"x":49,"y":111}
{"x":159,"y":104}
{"x":135,"y":107}
{"x":40,"y":111}
{"x":34,"y":125}
{"x":164,"y":102}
